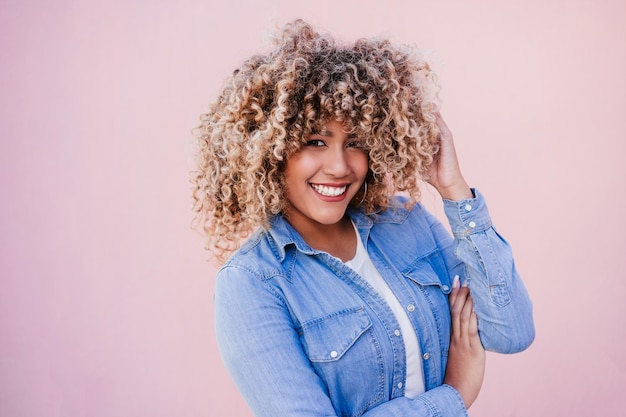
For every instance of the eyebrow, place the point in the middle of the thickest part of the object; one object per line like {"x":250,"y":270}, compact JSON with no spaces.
{"x":324,"y":132}
{"x":329,"y":134}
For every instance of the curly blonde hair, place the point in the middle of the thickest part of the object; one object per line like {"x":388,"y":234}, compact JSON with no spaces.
{"x":387,"y":95}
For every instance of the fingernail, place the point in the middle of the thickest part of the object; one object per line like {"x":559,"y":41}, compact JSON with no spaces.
{"x":465,"y":284}
{"x":455,"y":282}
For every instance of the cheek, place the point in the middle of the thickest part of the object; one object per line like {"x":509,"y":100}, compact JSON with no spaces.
{"x":300,"y":166}
{"x":291,"y":169}
{"x":361,"y":165}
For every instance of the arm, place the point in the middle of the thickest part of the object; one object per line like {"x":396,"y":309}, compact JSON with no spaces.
{"x":263,"y":354}
{"x":501,"y":302}
{"x":262,"y":351}
{"x":465,"y":367}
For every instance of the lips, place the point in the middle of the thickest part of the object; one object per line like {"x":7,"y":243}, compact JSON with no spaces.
{"x":329,"y":191}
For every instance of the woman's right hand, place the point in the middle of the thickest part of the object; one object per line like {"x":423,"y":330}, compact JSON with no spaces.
{"x":466,"y":356}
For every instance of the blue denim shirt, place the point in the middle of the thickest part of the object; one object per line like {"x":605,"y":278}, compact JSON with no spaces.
{"x":302,"y":334}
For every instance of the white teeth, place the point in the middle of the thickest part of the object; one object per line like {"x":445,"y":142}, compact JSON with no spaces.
{"x":329,"y":191}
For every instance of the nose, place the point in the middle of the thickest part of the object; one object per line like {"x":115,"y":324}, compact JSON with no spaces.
{"x":337,"y":163}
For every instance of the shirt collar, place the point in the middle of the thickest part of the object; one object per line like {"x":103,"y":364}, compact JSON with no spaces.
{"x":282,"y":234}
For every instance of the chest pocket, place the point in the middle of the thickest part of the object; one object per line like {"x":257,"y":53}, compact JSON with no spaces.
{"x":328,"y":338}
{"x":433,"y":284}
{"x":344,"y":352}
{"x":432,"y":270}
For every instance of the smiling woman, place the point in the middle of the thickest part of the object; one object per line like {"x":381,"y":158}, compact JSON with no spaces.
{"x":382,"y":94}
{"x":348,"y":300}
{"x":320,"y":181}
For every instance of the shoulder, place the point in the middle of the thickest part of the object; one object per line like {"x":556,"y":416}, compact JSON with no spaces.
{"x":404,"y":232}
{"x":257,"y":258}
{"x":251,"y":276}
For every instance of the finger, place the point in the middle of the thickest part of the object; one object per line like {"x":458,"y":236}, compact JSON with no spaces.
{"x":456,"y":310}
{"x":455,"y":291}
{"x":456,"y":305}
{"x":473,"y":325}
{"x":464,"y":317}
{"x":443,"y":127}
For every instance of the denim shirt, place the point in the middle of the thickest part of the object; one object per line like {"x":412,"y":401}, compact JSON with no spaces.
{"x":302,"y":334}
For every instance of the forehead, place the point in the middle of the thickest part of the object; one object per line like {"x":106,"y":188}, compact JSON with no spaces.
{"x":333,"y":128}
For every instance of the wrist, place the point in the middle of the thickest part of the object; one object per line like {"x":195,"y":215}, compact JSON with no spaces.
{"x":456,"y":192}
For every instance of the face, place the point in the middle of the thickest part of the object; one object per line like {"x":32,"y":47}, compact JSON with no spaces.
{"x":323,"y":176}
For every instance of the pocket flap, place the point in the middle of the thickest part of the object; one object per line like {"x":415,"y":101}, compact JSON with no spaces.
{"x":432,"y":271}
{"x":328,"y":338}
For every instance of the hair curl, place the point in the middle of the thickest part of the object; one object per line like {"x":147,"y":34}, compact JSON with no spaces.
{"x":385,"y":94}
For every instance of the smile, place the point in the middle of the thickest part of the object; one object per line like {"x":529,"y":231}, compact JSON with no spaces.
{"x":329,"y":191}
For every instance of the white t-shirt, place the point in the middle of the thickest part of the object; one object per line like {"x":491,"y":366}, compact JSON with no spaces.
{"x":362,"y":264}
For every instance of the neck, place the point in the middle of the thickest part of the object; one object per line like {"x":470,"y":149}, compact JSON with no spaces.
{"x":339,"y":239}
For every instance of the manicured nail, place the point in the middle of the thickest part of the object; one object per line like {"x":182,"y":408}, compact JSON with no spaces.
{"x":455,"y":282}
{"x":465,"y":283}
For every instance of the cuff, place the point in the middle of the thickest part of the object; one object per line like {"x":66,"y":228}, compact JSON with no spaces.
{"x":445,"y":401}
{"x":467,"y":216}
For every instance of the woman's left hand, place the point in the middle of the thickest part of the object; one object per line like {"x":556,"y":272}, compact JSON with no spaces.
{"x":465,"y":369}
{"x":445,"y":174}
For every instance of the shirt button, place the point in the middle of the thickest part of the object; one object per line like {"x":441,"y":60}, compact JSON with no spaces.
{"x":445,"y":288}
{"x":426,"y":356}
{"x":333,"y":354}
{"x":468,"y":207}
{"x":472,"y":224}
{"x":410,"y":307}
{"x":397,"y":332}
{"x":399,"y":385}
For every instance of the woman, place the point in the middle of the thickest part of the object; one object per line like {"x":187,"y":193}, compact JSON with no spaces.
{"x":344,"y":301}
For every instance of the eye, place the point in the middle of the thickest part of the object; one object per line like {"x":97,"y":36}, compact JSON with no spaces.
{"x":356,"y":144}
{"x":315,"y":143}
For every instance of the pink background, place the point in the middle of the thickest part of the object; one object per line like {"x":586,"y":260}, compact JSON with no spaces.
{"x":105,"y":292}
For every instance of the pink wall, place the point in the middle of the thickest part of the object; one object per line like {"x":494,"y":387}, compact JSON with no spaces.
{"x":105,"y":295}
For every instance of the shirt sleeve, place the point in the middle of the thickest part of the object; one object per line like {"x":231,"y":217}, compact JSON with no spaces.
{"x":263,"y":354}
{"x":442,"y":401}
{"x":502,"y":304}
{"x":261,"y":348}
